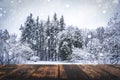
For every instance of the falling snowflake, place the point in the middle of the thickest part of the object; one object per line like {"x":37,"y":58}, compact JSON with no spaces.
{"x":49,"y":0}
{"x":1,"y":14}
{"x":4,"y":11}
{"x":89,"y":36}
{"x":11,"y":1}
{"x":48,"y":37}
{"x":67,"y":5}
{"x":104,"y":11}
{"x":1,"y":8}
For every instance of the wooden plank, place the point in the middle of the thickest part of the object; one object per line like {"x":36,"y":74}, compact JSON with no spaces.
{"x":111,"y":70}
{"x":59,"y":72}
{"x":62,"y":73}
{"x":90,"y":71}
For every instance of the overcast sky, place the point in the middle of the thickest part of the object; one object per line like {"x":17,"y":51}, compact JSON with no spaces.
{"x":81,"y":13}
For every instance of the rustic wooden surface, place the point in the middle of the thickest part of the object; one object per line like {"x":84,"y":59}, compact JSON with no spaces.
{"x":59,"y":72}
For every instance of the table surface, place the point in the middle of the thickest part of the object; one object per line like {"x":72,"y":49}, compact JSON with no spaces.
{"x":59,"y":72}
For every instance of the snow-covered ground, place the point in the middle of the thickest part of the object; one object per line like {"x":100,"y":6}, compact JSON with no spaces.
{"x":60,"y":62}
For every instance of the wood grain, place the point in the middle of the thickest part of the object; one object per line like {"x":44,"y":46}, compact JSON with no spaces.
{"x":59,"y":72}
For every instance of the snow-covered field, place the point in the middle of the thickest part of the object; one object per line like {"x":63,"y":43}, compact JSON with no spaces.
{"x":61,"y":62}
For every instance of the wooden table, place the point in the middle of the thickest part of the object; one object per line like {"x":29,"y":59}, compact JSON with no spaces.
{"x":59,"y":72}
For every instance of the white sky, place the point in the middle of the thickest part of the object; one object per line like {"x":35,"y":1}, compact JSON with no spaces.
{"x":81,"y":13}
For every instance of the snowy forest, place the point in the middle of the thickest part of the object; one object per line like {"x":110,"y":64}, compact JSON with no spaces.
{"x":53,"y":40}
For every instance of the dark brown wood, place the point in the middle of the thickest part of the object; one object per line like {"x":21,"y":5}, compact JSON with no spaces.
{"x":59,"y":72}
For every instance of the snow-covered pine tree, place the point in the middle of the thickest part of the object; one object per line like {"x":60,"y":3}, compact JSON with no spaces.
{"x":112,"y":37}
{"x":48,"y":24}
{"x":12,"y":39}
{"x":62,"y":23}
{"x":42,"y":40}
{"x":54,"y":30}
{"x":48,"y":33}
{"x":78,"y":40}
{"x":36,"y":40}
{"x":55,"y":25}
{"x":65,"y":49}
{"x":66,"y":43}
{"x":28,"y":31}
{"x":4,"y":47}
{"x":94,"y":47}
{"x":100,"y":34}
{"x":39,"y":39}
{"x":69,"y":38}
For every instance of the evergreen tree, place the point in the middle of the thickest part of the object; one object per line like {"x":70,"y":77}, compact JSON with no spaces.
{"x":27,"y":31}
{"x":48,"y":24}
{"x":100,"y":34}
{"x":4,"y":47}
{"x":42,"y":40}
{"x":65,"y":49}
{"x":52,"y":31}
{"x":78,"y":40}
{"x":36,"y":41}
{"x":39,"y":39}
{"x":66,"y":43}
{"x":55,"y":17}
{"x":62,"y":23}
{"x":48,"y":33}
{"x":55,"y":25}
